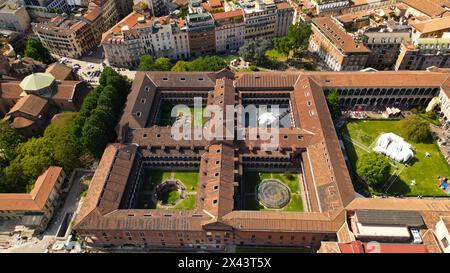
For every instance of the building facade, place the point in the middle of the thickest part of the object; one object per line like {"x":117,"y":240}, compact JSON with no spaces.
{"x":338,"y":49}
{"x":285,"y":18}
{"x":384,"y":44}
{"x":230,"y":29}
{"x":76,"y":36}
{"x":137,"y":35}
{"x":201,"y":32}
{"x":260,"y":19}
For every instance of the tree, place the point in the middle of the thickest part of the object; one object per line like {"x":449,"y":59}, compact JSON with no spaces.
{"x":181,"y":66}
{"x":254,"y":50}
{"x":37,"y":51}
{"x":283,"y":45}
{"x":64,"y":146}
{"x":414,"y":129}
{"x":208,"y":63}
{"x":94,"y":126}
{"x":333,"y":103}
{"x":9,"y":139}
{"x":95,"y":136}
{"x":300,"y":33}
{"x":163,"y":64}
{"x":183,"y":11}
{"x":146,"y":63}
{"x":374,"y":168}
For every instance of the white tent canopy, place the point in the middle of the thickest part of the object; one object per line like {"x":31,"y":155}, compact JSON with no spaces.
{"x":394,"y":147}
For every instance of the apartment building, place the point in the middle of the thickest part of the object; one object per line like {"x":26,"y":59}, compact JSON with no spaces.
{"x":285,"y":18}
{"x":14,"y":16}
{"x":230,"y":29}
{"x":124,"y":7}
{"x":260,"y":19}
{"x":66,"y":37}
{"x":429,"y":45}
{"x":102,"y":14}
{"x":75,"y":36}
{"x":329,"y":5}
{"x":47,"y":6}
{"x":384,"y":43}
{"x":35,"y":209}
{"x":336,"y":47}
{"x":137,"y":35}
{"x":157,"y":7}
{"x":201,"y":32}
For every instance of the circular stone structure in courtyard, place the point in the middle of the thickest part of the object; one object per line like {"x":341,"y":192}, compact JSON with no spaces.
{"x":273,"y":194}
{"x":165,"y":188}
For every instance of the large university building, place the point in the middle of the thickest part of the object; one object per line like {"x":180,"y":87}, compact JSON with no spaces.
{"x":226,"y":205}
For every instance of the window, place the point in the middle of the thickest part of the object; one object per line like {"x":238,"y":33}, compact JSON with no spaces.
{"x":138,"y":114}
{"x":215,"y":201}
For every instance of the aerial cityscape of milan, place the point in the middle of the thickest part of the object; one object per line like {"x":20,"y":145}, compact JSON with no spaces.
{"x":225,"y":126}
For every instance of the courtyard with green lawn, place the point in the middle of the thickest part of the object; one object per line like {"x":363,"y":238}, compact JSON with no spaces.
{"x":152,"y":178}
{"x":360,"y":137}
{"x":253,"y":179}
{"x":166,"y":119}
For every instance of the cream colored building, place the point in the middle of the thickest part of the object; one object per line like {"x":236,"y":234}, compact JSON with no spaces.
{"x":260,"y":19}
{"x":74,"y":37}
{"x":137,"y":35}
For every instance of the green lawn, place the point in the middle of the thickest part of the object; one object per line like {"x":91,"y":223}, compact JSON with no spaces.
{"x":189,"y":179}
{"x":252,"y":179}
{"x":166,"y":119}
{"x":275,"y":56}
{"x":423,"y":169}
{"x":153,"y":178}
{"x":188,"y":203}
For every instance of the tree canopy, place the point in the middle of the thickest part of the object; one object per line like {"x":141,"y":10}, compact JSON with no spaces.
{"x":148,"y":64}
{"x":333,"y":103}
{"x":299,"y":33}
{"x":374,"y":168}
{"x":34,"y":49}
{"x":415,"y":129}
{"x":207,"y":63}
{"x":93,"y":128}
{"x":56,"y":147}
{"x":283,"y":45}
{"x":9,"y":139}
{"x":254,"y":50}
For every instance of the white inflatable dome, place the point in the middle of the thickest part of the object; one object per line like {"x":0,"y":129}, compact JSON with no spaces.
{"x":266,"y":119}
{"x":394,"y":147}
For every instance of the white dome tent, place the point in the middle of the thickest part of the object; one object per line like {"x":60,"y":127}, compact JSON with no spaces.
{"x":394,"y":147}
